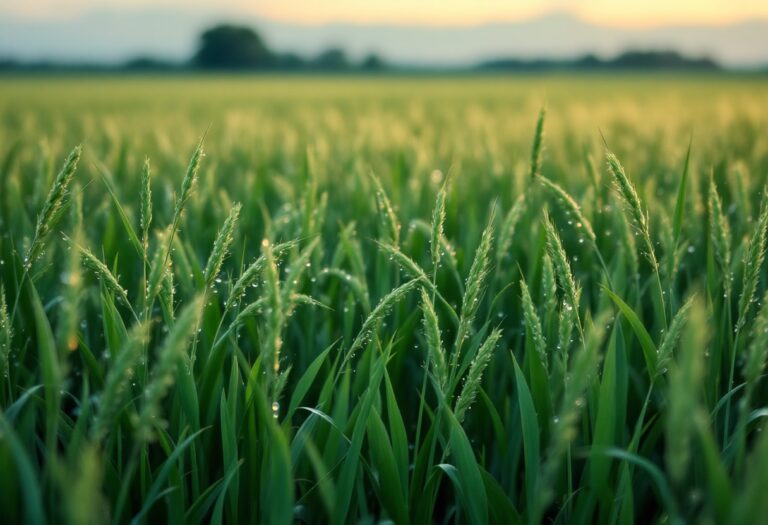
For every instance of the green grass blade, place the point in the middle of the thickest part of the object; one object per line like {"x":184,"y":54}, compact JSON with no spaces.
{"x":646,"y":343}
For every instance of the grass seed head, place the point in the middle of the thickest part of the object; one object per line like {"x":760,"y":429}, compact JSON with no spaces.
{"x":378,"y":313}
{"x":438,"y":218}
{"x":720,"y":234}
{"x":475,"y":286}
{"x":631,"y":199}
{"x":6,"y":334}
{"x":509,"y":228}
{"x":389,"y":218}
{"x":276,"y":313}
{"x":56,"y":199}
{"x":548,"y":284}
{"x":146,"y":203}
{"x":571,"y":208}
{"x":101,"y":270}
{"x":251,"y":275}
{"x":671,"y":337}
{"x":533,"y":325}
{"x":221,"y":245}
{"x":538,"y":144}
{"x":753,"y":262}
{"x":436,"y":352}
{"x":475,"y":374}
{"x":561,"y":264}
{"x":189,"y":182}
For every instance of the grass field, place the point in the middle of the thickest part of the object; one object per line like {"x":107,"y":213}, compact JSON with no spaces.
{"x":371,"y":300}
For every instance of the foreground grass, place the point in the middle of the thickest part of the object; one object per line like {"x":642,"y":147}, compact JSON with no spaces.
{"x":314,"y":323}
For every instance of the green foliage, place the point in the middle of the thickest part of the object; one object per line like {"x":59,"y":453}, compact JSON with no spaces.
{"x":270,"y":334}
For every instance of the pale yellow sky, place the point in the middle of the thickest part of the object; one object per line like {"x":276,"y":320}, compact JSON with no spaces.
{"x":434,"y":12}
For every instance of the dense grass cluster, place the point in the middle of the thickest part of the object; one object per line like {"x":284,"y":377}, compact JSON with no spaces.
{"x":403,"y":303}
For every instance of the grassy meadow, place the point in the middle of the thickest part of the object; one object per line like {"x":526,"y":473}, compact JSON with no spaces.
{"x":383,"y":300}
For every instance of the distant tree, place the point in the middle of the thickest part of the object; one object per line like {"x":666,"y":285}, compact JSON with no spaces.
{"x":147,"y":63}
{"x":8,"y":64}
{"x":663,"y":59}
{"x":333,"y":59}
{"x":627,"y":61}
{"x":289,"y":61}
{"x":233,"y":47}
{"x":373,"y":62}
{"x":589,"y":61}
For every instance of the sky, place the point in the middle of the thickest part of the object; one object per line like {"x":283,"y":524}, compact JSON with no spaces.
{"x":629,"y":13}
{"x":418,"y":32}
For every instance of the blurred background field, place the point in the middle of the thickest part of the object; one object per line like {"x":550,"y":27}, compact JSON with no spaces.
{"x":409,"y":130}
{"x":482,"y":122}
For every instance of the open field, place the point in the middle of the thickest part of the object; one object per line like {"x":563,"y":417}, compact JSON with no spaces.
{"x":361,"y":300}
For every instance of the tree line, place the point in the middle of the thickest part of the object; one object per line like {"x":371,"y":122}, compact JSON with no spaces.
{"x":229,"y":47}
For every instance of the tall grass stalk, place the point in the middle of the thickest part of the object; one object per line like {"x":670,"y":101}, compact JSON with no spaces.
{"x":50,"y":213}
{"x":474,"y":289}
{"x":221,"y":246}
{"x":640,"y":220}
{"x":438,"y":218}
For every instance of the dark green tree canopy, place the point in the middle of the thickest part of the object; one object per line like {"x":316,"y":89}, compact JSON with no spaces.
{"x":233,"y":47}
{"x":373,"y":62}
{"x":332,"y":59}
